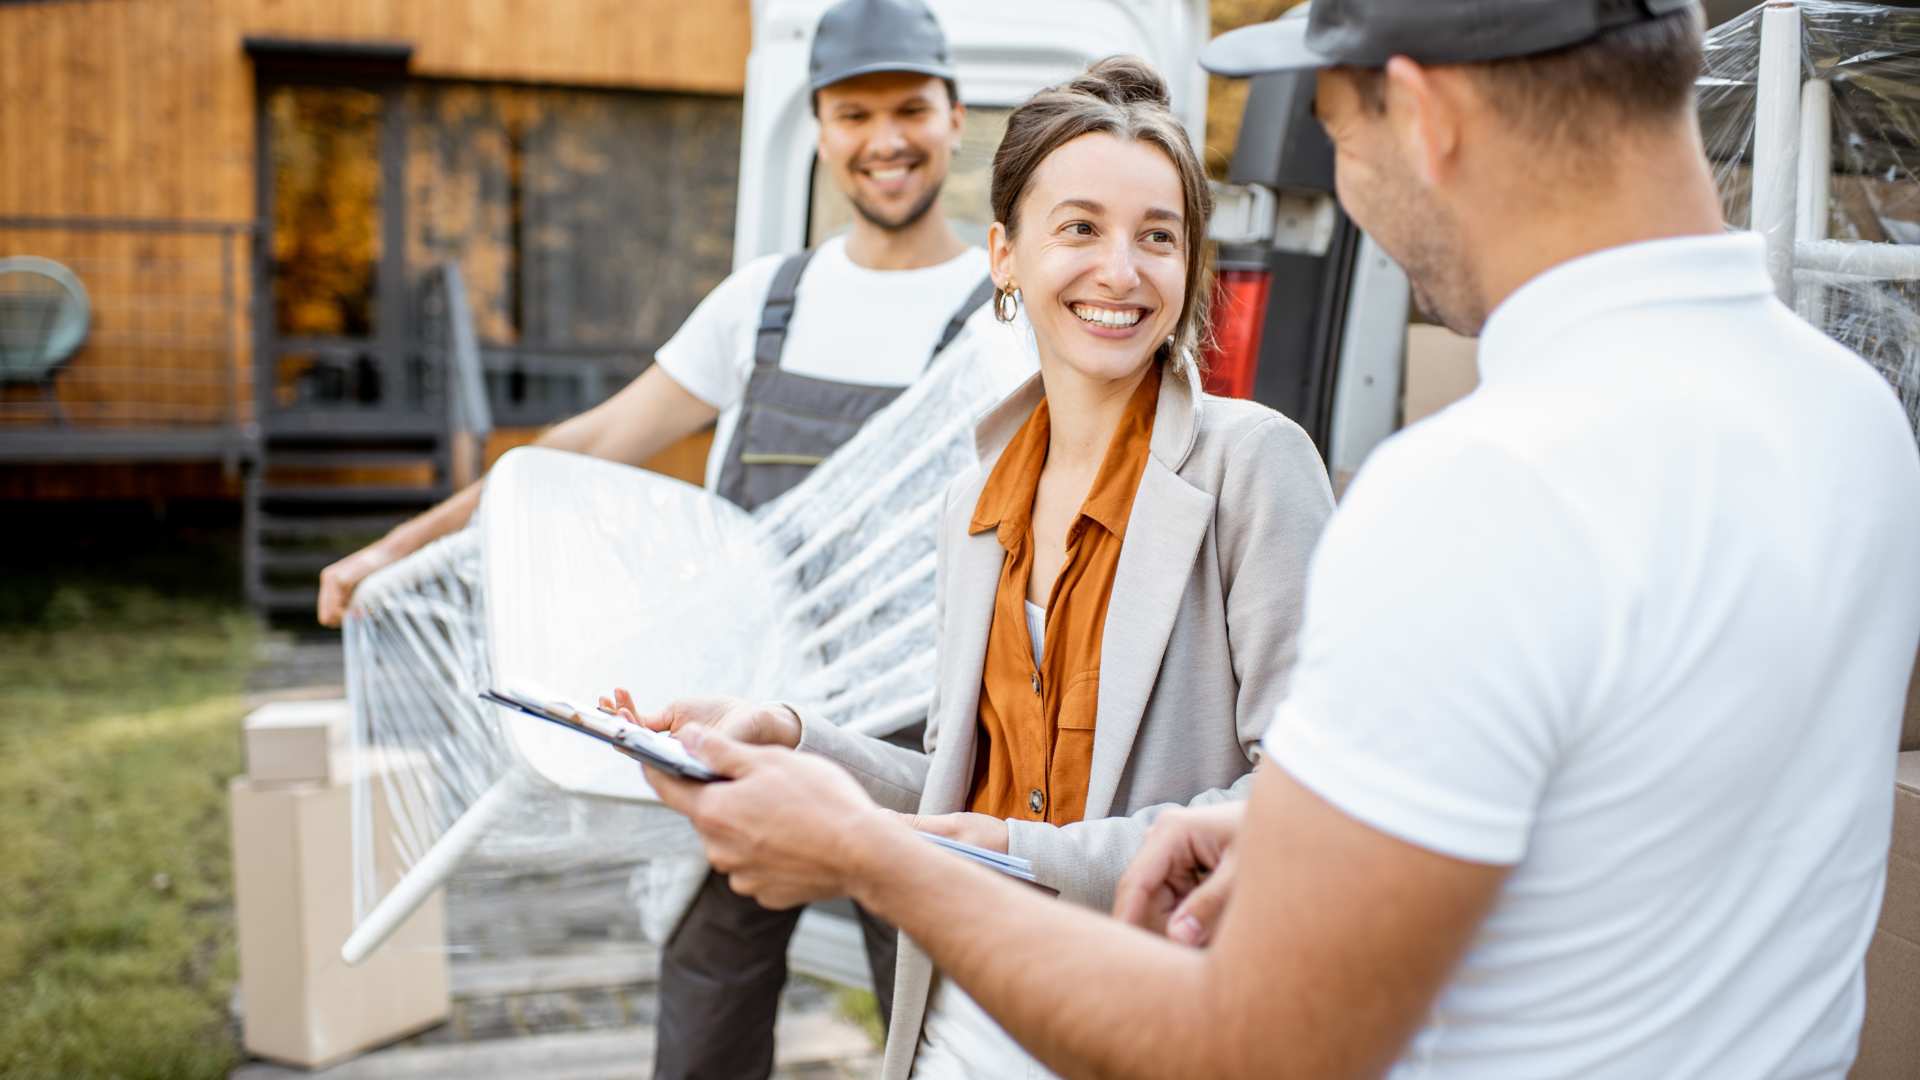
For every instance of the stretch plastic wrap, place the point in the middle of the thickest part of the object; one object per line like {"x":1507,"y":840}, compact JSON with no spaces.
{"x":1856,"y":228}
{"x":583,"y":575}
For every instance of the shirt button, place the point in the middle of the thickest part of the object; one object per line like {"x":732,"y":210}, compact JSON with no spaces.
{"x":1036,"y":801}
{"x":1036,"y":682}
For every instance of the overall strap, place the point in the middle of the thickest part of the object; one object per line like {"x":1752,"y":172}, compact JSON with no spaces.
{"x":981,"y":294}
{"x":778,"y":311}
{"x":770,"y":341}
{"x":789,"y":423}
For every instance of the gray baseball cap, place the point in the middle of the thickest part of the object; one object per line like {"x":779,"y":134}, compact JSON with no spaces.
{"x":1368,"y":33}
{"x":859,"y":37}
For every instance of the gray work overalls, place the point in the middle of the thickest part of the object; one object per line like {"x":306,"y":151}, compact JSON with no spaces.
{"x":790,"y":423}
{"x":722,"y":971}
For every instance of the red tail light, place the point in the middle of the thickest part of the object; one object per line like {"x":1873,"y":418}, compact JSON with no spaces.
{"x":1239,"y":322}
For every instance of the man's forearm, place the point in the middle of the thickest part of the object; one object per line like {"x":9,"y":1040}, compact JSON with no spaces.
{"x":650,"y":414}
{"x":1114,"y":1002}
{"x":1336,"y":943}
{"x":1088,"y":995}
{"x":338,"y":582}
{"x":450,"y":516}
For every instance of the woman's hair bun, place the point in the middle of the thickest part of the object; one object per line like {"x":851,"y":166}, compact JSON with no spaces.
{"x":1123,"y":80}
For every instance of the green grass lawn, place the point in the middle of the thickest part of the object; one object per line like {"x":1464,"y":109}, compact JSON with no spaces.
{"x":123,"y":652}
{"x":119,"y":710}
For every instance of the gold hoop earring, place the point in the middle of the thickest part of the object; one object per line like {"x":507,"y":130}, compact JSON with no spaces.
{"x":1006,"y":305}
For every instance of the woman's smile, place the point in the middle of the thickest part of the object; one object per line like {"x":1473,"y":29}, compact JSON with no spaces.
{"x":1107,"y":322}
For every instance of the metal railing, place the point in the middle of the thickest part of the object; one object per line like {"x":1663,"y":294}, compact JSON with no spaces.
{"x":165,"y":373}
{"x":534,"y":385}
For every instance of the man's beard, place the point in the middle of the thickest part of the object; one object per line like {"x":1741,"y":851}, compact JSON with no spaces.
{"x":1424,"y":239}
{"x":1443,"y":287}
{"x":914,"y":213}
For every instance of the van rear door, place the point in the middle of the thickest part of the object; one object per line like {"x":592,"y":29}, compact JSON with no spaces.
{"x":1005,"y":50}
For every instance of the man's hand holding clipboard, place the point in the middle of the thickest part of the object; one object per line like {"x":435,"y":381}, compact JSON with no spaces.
{"x":718,"y":724}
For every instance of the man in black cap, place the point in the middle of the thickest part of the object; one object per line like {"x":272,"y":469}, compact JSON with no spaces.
{"x":791,"y":354}
{"x":1585,"y":766}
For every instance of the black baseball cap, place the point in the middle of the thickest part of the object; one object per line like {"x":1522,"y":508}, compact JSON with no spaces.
{"x":1368,"y":33}
{"x":859,"y":37}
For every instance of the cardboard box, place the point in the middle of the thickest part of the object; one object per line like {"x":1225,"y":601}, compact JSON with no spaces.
{"x":297,"y":741}
{"x":1910,"y":729}
{"x":293,"y":886}
{"x":1890,"y":1039}
{"x":1442,"y":368}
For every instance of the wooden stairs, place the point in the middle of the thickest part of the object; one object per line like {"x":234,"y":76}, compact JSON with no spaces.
{"x":337,"y":473}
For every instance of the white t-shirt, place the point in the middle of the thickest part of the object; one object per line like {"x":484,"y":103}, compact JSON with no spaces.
{"x":850,"y":324}
{"x":1635,"y":617}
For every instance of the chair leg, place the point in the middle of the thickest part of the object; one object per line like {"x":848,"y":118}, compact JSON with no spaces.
{"x":433,"y":868}
{"x":52,"y":398}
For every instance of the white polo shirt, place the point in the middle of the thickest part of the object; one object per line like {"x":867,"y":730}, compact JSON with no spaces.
{"x":1637,"y":618}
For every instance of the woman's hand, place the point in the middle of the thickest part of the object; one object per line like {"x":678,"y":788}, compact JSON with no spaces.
{"x":743,"y":721}
{"x":980,"y":830}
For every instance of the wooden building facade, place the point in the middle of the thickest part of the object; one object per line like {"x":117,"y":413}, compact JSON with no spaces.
{"x":257,"y":195}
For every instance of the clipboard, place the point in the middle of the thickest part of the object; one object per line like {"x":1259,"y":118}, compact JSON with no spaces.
{"x":1011,"y":865}
{"x":663,"y":752}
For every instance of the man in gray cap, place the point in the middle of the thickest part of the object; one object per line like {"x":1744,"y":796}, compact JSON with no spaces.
{"x":791,"y":355}
{"x":1585,"y":767}
{"x":830,"y":335}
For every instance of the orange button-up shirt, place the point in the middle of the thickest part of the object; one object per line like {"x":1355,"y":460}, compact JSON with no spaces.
{"x":1035,"y":748}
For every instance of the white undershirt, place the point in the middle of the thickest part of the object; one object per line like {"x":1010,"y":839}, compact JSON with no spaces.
{"x":1037,"y":629}
{"x":850,"y":325}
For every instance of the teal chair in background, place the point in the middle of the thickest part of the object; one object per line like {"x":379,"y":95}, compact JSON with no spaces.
{"x":44,"y":318}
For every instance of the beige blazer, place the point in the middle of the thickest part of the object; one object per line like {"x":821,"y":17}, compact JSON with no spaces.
{"x":1198,"y":642}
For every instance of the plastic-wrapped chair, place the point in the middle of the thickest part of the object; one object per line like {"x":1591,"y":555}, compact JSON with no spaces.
{"x":1811,"y":112}
{"x":582,"y":575}
{"x":44,"y":317}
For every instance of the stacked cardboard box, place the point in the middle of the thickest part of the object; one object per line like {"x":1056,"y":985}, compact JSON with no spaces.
{"x":293,"y":882}
{"x":1910,"y":730}
{"x":1442,"y":368}
{"x":1890,"y":1039}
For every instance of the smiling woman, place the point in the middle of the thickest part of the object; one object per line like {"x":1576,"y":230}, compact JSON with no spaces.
{"x":1102,"y":208}
{"x":1125,"y":100}
{"x":1120,"y":577}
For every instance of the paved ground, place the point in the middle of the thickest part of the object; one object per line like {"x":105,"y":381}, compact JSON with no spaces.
{"x":285,"y":663}
{"x":584,"y":1017}
{"x":552,"y":978}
